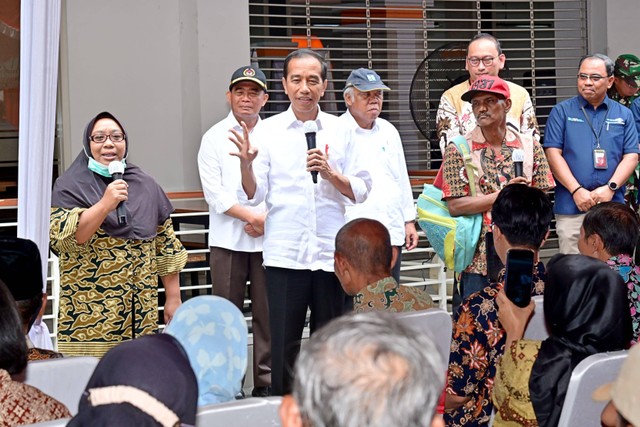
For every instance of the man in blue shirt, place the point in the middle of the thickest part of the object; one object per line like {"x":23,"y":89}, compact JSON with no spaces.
{"x":591,"y":144}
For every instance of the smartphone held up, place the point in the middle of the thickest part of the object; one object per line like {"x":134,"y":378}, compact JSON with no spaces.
{"x":518,"y":281}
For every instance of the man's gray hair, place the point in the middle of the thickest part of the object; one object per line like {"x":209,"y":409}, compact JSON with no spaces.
{"x":368,"y":369}
{"x":608,"y":62}
{"x":350,"y":91}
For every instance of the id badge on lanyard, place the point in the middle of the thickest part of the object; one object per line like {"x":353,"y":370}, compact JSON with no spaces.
{"x":599,"y":154}
{"x":599,"y":158}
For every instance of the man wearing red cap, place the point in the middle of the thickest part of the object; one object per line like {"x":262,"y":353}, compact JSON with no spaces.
{"x":492,"y":146}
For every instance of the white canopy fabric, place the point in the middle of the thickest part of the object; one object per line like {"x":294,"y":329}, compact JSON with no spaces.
{"x":39,"y":45}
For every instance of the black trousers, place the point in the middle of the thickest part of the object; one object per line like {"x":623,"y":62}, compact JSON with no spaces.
{"x":290,"y":293}
{"x":395,"y":270}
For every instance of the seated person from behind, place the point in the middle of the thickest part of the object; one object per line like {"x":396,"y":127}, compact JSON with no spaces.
{"x":145,"y":382}
{"x":362,"y":261}
{"x":21,"y":271}
{"x":20,"y":403}
{"x":609,"y":233}
{"x":585,"y":306}
{"x":521,"y":218}
{"x":365,"y":369}
{"x":219,"y":360}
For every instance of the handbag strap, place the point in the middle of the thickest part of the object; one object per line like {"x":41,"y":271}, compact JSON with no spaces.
{"x":463,"y":147}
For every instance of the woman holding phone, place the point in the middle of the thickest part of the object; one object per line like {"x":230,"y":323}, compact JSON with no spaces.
{"x":585,"y":306}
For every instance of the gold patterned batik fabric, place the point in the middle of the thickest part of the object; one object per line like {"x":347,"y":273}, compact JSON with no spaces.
{"x":387,"y":295}
{"x":511,"y":387}
{"x":109,"y":286}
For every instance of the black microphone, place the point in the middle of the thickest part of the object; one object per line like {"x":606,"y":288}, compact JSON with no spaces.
{"x":116,"y":169}
{"x":310,"y":128}
{"x":518,"y":158}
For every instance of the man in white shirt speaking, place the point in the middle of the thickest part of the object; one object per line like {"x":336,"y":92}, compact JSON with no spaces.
{"x":305,"y":212}
{"x":391,"y":198}
{"x":235,"y":227}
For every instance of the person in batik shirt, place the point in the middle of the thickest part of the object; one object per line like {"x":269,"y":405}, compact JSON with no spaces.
{"x":521,"y":219}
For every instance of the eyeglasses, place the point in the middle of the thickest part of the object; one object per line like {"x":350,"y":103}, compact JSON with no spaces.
{"x":101,"y":137}
{"x":486,"y":60}
{"x":593,"y":77}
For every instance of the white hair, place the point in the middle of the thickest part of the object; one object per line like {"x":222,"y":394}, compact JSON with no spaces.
{"x":368,"y":369}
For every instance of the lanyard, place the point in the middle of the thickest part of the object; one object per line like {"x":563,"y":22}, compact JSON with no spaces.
{"x":597,"y":135}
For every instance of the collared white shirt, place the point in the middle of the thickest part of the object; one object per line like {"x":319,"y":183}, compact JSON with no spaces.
{"x":304,"y":217}
{"x":222,"y":187}
{"x":391,"y":199}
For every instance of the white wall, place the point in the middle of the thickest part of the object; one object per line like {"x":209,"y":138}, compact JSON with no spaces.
{"x":161,"y":67}
{"x":613,"y":27}
{"x":622,"y":27}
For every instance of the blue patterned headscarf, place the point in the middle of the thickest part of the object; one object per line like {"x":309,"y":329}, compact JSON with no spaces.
{"x":214,"y":334}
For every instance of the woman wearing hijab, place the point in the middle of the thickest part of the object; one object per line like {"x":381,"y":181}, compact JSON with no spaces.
{"x":109,"y":271}
{"x":20,"y":403}
{"x":147,"y":382}
{"x":586,"y":310}
{"x":213,"y":332}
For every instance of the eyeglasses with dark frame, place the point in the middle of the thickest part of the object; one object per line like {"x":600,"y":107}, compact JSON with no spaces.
{"x":101,"y":137}
{"x":593,"y":77}
{"x":486,"y":60}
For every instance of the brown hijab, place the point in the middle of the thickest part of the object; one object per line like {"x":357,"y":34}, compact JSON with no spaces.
{"x":147,"y":206}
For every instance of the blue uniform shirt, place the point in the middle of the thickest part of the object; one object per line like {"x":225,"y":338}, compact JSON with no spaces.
{"x":568,"y":129}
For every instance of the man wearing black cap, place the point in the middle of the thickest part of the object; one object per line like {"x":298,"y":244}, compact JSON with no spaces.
{"x":21,"y":271}
{"x":236,"y":229}
{"x":391,"y":198}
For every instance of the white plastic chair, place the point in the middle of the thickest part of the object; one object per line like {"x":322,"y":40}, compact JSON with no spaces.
{"x":537,"y":328}
{"x":63,"y":379}
{"x":250,"y":412}
{"x":579,"y":408}
{"x":436,"y":322}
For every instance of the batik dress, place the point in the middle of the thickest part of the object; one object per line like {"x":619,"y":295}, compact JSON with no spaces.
{"x":109,"y":285}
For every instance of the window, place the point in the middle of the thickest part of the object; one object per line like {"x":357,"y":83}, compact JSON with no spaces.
{"x":542,"y":40}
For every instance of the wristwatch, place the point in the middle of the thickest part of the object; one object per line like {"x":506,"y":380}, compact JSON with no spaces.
{"x":613,"y":186}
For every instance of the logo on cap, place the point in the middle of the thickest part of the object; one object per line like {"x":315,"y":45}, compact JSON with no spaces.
{"x":481,"y":84}
{"x":371,"y":77}
{"x":249,"y":72}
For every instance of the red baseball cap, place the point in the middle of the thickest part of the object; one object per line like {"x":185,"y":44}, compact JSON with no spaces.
{"x":487,"y":84}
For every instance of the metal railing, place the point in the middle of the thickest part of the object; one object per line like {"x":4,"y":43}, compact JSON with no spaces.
{"x":420,"y":267}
